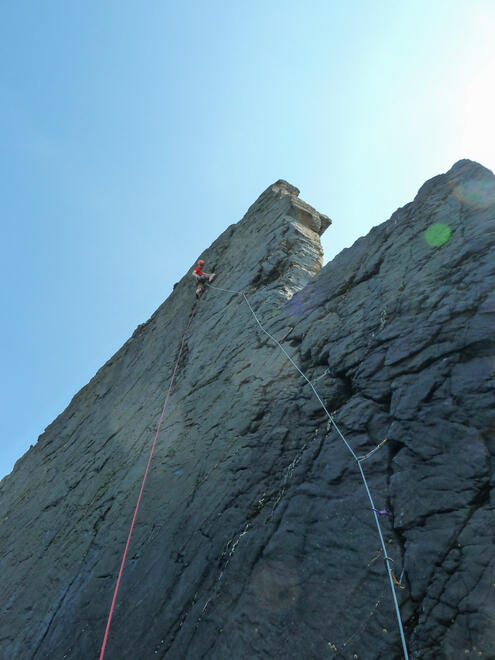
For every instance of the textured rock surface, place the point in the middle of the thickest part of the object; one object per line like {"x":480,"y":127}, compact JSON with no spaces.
{"x":254,"y":538}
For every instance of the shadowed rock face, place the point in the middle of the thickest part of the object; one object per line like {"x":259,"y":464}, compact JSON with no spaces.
{"x":254,"y":538}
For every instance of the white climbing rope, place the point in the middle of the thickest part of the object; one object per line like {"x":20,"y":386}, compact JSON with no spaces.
{"x":356,"y":458}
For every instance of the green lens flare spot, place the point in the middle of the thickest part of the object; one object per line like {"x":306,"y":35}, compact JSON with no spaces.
{"x":437,"y":234}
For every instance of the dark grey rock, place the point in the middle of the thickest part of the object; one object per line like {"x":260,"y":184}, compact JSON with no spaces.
{"x":255,"y":537}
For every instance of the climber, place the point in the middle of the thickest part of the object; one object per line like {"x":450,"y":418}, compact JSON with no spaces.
{"x":201,"y":278}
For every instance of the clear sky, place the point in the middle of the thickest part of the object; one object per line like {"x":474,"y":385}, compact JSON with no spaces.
{"x":135,"y":131}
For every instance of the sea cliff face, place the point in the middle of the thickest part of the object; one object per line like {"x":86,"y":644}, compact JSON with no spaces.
{"x":255,"y":537}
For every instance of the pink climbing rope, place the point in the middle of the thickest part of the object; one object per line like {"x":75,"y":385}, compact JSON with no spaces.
{"x":107,"y":629}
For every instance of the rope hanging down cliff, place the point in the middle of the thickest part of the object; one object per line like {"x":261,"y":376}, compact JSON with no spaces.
{"x":358,"y":460}
{"x":112,"y":607}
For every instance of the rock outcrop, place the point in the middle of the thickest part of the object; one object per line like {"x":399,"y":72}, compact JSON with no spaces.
{"x":255,"y":537}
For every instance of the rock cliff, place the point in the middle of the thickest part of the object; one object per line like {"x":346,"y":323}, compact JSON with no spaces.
{"x":255,"y":537}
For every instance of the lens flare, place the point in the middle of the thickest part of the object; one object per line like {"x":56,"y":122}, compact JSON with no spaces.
{"x":306,"y":300}
{"x":476,"y":193}
{"x":437,"y":234}
{"x":276,"y":585}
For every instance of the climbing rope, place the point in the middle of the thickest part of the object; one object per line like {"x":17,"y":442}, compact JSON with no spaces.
{"x":376,"y":512}
{"x":112,"y":607}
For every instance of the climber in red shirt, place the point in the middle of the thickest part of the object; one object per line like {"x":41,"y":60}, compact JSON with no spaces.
{"x":201,"y":278}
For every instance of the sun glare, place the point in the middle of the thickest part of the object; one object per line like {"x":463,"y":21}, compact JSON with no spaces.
{"x":478,"y":107}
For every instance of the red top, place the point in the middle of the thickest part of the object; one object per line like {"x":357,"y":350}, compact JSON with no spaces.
{"x":198,"y":271}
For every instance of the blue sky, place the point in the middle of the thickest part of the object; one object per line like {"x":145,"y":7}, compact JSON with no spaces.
{"x":134,"y":133}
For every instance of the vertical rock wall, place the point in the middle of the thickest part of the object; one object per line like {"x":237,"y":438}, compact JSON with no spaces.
{"x":255,"y":538}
